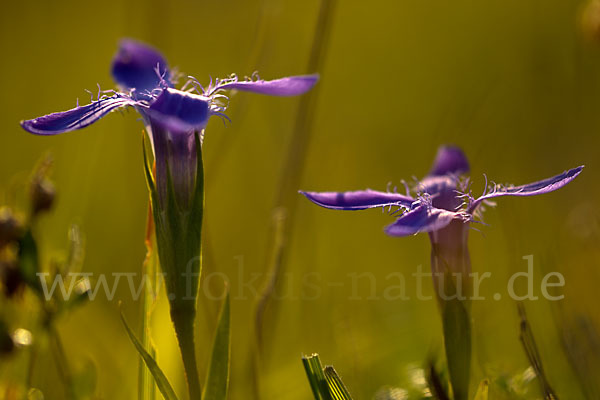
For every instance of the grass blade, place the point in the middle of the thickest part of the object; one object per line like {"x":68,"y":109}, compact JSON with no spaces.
{"x":316,"y":378}
{"x":325,"y":383}
{"x":161,"y":380}
{"x":336,"y":387}
{"x":291,"y":172}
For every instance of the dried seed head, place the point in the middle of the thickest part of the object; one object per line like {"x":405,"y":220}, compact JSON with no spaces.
{"x":6,"y":342}
{"x":11,"y":227}
{"x":11,"y":279}
{"x":41,"y":188}
{"x":42,"y":195}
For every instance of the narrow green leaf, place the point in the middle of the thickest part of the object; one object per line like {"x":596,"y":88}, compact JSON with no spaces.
{"x":312,"y":377}
{"x":148,"y":173}
{"x":161,"y":380}
{"x":336,"y":387}
{"x":482,"y":391}
{"x":217,"y":378}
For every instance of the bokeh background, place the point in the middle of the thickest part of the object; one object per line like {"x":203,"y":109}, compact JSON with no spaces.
{"x":515,"y":83}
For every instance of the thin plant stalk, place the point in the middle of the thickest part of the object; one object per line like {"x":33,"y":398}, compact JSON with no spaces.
{"x":285,"y":203}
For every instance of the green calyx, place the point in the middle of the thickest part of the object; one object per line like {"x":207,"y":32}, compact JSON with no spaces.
{"x":178,"y":230}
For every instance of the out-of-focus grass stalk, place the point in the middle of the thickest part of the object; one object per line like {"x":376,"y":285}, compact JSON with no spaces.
{"x":581,"y":344}
{"x":221,"y":145}
{"x":62,"y":365}
{"x":31,"y":366}
{"x":285,"y":203}
{"x":533,"y":354}
{"x":291,"y":172}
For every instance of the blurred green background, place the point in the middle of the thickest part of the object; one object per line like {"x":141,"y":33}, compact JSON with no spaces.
{"x":514,"y":83}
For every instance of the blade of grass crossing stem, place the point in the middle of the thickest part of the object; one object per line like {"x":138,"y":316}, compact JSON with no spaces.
{"x":146,"y":385}
{"x":143,"y":381}
{"x":482,"y":391}
{"x":161,"y":380}
{"x":435,"y":383}
{"x":533,"y":354}
{"x":217,"y":378}
{"x":336,"y":386}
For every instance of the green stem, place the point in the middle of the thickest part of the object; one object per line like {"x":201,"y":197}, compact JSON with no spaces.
{"x":183,"y":320}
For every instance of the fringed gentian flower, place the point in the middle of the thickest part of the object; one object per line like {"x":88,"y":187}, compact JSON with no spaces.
{"x":175,"y":120}
{"x":170,"y":115}
{"x":443,"y":207}
{"x":440,"y":206}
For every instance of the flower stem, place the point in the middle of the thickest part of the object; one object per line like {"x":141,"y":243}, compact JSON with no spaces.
{"x":183,"y":320}
{"x":451,"y":268}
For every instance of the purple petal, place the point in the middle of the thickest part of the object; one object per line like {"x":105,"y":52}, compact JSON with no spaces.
{"x":449,"y":160}
{"x":358,"y":200}
{"x":77,"y":118}
{"x":291,"y":86}
{"x":531,"y":189}
{"x":422,"y":219}
{"x":442,"y":190}
{"x":179,"y":111}
{"x":134,"y":66}
{"x":434,"y":185}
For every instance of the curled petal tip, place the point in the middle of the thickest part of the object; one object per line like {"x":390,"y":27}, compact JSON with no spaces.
{"x":290,"y":86}
{"x":536,"y":188}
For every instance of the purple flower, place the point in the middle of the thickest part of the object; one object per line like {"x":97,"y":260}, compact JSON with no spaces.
{"x":175,"y":120}
{"x":171,"y":116}
{"x":441,"y":204}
